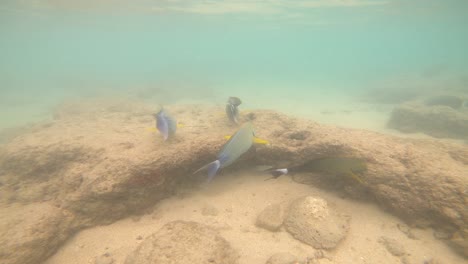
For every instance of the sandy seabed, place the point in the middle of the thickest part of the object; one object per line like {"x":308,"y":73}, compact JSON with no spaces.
{"x":231,"y":204}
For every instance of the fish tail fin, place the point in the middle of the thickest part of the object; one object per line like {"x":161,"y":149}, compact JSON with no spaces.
{"x":277,"y":172}
{"x":212,"y":169}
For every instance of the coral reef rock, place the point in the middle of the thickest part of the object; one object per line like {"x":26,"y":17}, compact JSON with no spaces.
{"x":99,"y":161}
{"x":439,"y":119}
{"x":453,"y":101}
{"x":312,"y":221}
{"x":31,"y":233}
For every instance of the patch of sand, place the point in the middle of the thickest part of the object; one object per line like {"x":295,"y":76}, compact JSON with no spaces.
{"x":238,"y":198}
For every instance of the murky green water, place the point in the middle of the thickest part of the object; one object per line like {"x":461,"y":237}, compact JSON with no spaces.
{"x":288,"y":55}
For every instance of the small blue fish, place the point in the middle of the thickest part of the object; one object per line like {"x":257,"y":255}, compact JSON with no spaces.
{"x":237,"y":145}
{"x":165,"y":123}
{"x":231,"y":109}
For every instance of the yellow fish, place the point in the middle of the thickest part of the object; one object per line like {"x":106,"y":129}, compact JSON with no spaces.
{"x":256,"y":140}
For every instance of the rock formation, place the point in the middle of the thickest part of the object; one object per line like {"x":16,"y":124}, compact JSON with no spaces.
{"x":96,"y":162}
{"x":313,"y":222}
{"x":440,"y":116}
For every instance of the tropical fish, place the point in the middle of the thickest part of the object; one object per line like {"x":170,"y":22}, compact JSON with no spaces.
{"x":234,"y":101}
{"x":276,"y":172}
{"x":256,"y":140}
{"x":154,"y":129}
{"x":237,"y":145}
{"x":336,"y":166}
{"x":165,"y":123}
{"x":231,"y":109}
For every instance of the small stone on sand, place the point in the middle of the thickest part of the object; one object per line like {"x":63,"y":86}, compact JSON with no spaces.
{"x":392,"y":246}
{"x":104,"y":259}
{"x":271,"y":218}
{"x":282,"y":258}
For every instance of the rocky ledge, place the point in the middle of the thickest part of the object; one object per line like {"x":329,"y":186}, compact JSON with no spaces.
{"x":98,"y":162}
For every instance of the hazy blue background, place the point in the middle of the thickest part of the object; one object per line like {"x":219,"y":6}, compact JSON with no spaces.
{"x":272,"y":51}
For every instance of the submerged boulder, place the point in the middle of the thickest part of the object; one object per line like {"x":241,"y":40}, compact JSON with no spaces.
{"x":31,"y":233}
{"x":442,"y":116}
{"x":313,"y":222}
{"x":453,"y":101}
{"x":184,"y":242}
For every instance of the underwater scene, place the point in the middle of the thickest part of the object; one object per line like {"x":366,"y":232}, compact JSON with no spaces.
{"x":233,"y":131}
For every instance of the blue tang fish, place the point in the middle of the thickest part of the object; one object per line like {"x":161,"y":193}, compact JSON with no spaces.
{"x":165,"y":123}
{"x":237,"y":145}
